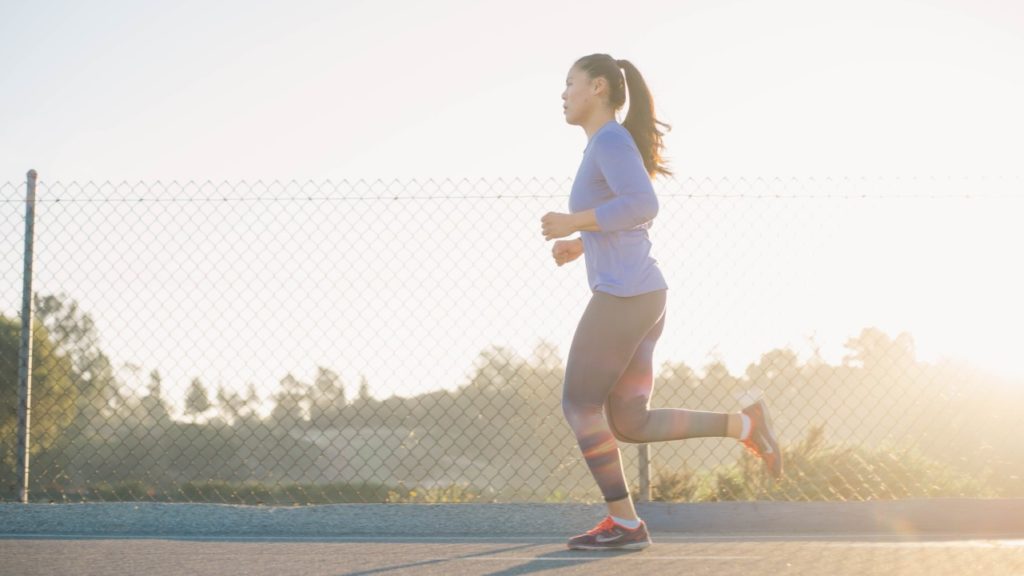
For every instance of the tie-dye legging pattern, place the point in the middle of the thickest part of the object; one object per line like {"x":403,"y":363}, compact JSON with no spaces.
{"x":609,"y":377}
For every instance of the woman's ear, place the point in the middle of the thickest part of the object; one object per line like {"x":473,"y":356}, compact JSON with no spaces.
{"x":599,"y":86}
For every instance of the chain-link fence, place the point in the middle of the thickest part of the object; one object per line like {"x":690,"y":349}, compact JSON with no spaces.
{"x":405,"y":341}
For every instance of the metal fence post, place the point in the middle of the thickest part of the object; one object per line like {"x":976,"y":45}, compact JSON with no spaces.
{"x":645,"y":473}
{"x":25,"y":353}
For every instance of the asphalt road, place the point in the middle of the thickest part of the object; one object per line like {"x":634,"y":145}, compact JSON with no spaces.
{"x":843,"y":556}
{"x":958,"y":537}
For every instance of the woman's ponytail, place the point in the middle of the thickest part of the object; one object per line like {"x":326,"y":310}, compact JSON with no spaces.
{"x":641,"y":122}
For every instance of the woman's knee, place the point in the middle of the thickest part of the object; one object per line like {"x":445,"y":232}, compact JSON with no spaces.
{"x":620,"y":436}
{"x":579,"y":414}
{"x":627,"y":418}
{"x":625,"y":433}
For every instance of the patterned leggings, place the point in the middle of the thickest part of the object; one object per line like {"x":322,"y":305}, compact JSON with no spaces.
{"x":609,"y":377}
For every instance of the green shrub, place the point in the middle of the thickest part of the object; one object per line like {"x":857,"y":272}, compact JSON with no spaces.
{"x":816,"y":470}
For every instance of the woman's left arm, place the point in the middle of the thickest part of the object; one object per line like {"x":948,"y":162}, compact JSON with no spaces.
{"x":623,"y":169}
{"x":634,"y":203}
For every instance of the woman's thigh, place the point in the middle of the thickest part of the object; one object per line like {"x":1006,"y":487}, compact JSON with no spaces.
{"x":607,"y":338}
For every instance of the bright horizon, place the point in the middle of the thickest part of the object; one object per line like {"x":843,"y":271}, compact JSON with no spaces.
{"x":455,"y":89}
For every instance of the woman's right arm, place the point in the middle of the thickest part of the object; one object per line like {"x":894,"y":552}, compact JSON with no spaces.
{"x":565,"y":251}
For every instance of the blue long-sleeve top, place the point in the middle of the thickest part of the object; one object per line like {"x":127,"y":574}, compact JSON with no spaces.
{"x":612,"y":180}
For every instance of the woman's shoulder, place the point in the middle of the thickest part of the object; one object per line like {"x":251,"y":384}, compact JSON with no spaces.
{"x":613,"y":135}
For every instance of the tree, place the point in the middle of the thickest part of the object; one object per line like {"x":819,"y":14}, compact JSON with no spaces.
{"x":152,"y":406}
{"x":874,"y":349}
{"x":250,"y":403}
{"x":328,"y":398}
{"x":364,"y":409}
{"x":74,"y":335}
{"x":241,"y":409}
{"x":545,"y":356}
{"x":196,"y":400}
{"x":155,"y":388}
{"x":292,"y":402}
{"x":364,"y":390}
{"x":497,"y":369}
{"x":722,"y":388}
{"x":231,"y":404}
{"x":53,"y":391}
{"x":778,"y":370}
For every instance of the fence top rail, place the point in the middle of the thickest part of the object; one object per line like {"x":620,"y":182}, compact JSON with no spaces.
{"x":743,"y":188}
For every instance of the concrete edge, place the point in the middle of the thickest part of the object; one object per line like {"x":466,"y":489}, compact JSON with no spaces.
{"x":936,"y":516}
{"x":898,"y":518}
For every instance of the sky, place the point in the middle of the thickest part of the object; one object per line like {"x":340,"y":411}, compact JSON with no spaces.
{"x":412,"y":92}
{"x":233,"y":90}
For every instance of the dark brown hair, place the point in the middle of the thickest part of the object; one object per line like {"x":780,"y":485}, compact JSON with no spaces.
{"x":640,"y":120}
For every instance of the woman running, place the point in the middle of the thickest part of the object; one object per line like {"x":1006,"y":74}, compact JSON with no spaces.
{"x":609,"y":374}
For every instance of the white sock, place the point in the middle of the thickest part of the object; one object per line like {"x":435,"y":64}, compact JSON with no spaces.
{"x":745,"y":431}
{"x":630,"y":524}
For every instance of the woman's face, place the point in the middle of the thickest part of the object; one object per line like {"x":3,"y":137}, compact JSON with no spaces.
{"x":579,"y":97}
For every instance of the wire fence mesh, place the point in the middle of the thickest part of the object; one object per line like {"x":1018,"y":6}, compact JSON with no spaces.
{"x":404,"y":341}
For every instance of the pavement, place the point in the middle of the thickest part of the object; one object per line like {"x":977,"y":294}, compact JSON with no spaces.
{"x":935,"y":536}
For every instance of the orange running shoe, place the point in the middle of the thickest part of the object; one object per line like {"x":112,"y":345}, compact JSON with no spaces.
{"x":611,"y":536}
{"x":761,"y":442}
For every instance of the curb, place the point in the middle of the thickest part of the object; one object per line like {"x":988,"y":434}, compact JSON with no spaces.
{"x":936,"y":516}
